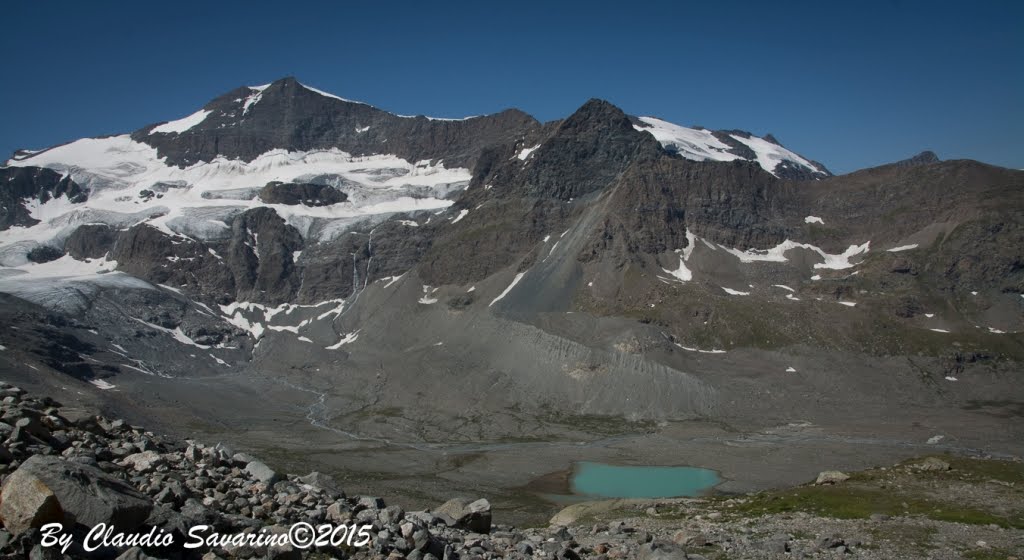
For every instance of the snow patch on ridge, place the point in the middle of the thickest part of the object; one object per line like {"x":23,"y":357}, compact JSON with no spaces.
{"x":691,"y":143}
{"x":778,"y":254}
{"x":331,"y":95}
{"x":525,"y":152}
{"x":682,"y":273}
{"x":182,"y":125}
{"x":508,"y":289}
{"x":345,"y":339}
{"x":702,"y":145}
{"x":770,"y":155}
{"x":101,"y":384}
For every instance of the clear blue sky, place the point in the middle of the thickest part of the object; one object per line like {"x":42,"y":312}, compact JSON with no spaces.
{"x":851,"y":84}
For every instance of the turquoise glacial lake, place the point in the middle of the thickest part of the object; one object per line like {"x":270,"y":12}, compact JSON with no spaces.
{"x":611,"y":481}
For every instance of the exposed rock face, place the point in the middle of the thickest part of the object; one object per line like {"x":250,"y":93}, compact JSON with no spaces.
{"x":513,"y":203}
{"x":90,"y":241}
{"x":289,"y":116}
{"x":654,"y":204}
{"x":301,"y":193}
{"x":44,"y":254}
{"x":256,"y":263}
{"x":585,"y":153}
{"x":263,"y":269}
{"x":20,"y":185}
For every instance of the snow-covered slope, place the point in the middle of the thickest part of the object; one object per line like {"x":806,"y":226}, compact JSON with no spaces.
{"x":700,"y":144}
{"x":196,"y":200}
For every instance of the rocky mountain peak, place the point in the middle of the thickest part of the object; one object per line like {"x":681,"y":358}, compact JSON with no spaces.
{"x":287,"y":114}
{"x":587,"y":151}
{"x":924,"y":158}
{"x":597,"y":113}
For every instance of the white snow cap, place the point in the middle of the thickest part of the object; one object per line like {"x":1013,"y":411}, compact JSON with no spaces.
{"x":698,"y":144}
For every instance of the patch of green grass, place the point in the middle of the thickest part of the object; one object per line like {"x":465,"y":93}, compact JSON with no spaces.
{"x":915,"y":536}
{"x":987,"y":554}
{"x":803,"y":535}
{"x":987,"y":469}
{"x":848,"y":501}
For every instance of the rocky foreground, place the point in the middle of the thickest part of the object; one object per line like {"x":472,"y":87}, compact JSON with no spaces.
{"x":67,"y":471}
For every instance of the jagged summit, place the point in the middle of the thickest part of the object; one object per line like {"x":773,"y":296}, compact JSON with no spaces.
{"x":924,"y":158}
{"x":289,"y":115}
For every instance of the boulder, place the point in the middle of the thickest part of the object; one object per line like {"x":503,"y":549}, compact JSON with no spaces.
{"x":932,"y":464}
{"x":474,"y":516}
{"x":261,"y":472}
{"x":83,"y":494}
{"x":26,"y":502}
{"x":323,"y":482}
{"x":831,"y":477}
{"x":145,"y":461}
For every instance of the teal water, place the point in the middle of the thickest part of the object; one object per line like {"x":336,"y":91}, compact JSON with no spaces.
{"x":611,"y":481}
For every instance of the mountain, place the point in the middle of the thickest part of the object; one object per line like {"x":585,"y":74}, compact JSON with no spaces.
{"x":299,"y":270}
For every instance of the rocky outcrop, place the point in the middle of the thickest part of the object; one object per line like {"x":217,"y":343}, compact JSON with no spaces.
{"x":255,"y":263}
{"x":654,"y":204}
{"x":584,"y":154}
{"x":90,"y":241}
{"x":22,"y":185}
{"x":301,"y":193}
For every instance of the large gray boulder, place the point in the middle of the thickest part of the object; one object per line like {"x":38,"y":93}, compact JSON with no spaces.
{"x":49,"y":489}
{"x":145,"y":461}
{"x":471,"y":515}
{"x":831,"y":477}
{"x":261,"y":472}
{"x":324,"y":482}
{"x":26,"y":503}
